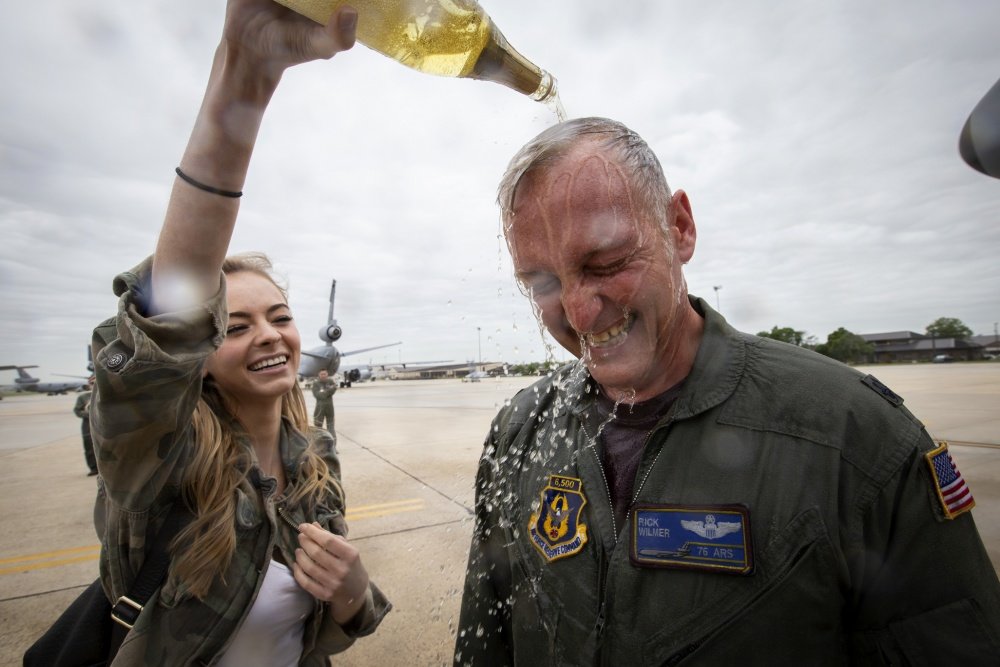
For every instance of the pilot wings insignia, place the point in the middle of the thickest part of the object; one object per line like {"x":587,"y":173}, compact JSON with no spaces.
{"x":710,"y":529}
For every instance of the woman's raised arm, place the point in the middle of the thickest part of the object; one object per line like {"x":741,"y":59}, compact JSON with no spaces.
{"x":260,"y":40}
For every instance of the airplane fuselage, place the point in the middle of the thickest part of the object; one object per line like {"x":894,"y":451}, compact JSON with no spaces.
{"x":50,"y":388}
{"x":25,"y":382}
{"x":325,"y":357}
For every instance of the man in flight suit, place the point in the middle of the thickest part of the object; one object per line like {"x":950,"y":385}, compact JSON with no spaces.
{"x":687,"y":494}
{"x":323,"y":389}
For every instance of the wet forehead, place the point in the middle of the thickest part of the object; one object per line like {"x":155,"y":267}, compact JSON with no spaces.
{"x":582,"y":204}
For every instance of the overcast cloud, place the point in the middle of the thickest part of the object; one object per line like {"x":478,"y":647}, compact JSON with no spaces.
{"x":816,"y":140}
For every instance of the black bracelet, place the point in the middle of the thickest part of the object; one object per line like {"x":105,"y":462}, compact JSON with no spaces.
{"x":207,"y":188}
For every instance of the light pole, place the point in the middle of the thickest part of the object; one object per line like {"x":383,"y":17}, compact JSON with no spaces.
{"x":479,"y":334}
{"x":717,"y":306}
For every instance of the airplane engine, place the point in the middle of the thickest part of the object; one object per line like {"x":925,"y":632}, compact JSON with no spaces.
{"x":330,"y":333}
{"x":356,"y":375}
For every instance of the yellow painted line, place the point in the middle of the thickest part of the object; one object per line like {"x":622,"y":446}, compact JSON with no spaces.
{"x":50,"y":559}
{"x":50,"y":563}
{"x":371,"y":511}
{"x":356,"y":516}
{"x":366,"y":508}
{"x":50,"y":554}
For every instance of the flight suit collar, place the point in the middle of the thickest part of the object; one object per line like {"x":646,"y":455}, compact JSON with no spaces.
{"x":718,"y":368}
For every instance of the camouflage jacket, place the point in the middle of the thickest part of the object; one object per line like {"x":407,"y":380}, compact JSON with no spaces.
{"x":783,"y":513}
{"x":149,"y":373}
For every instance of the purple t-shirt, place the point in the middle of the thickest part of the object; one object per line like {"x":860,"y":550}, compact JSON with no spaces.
{"x":622,"y":439}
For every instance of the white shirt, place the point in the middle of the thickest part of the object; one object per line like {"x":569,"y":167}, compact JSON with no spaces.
{"x":271,"y":634}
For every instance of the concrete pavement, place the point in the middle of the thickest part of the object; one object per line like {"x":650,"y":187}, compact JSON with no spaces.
{"x":409,"y":452}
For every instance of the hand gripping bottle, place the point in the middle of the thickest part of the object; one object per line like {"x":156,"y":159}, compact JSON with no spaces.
{"x":445,"y":37}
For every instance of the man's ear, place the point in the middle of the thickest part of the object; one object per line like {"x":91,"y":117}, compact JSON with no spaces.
{"x":682,"y":226}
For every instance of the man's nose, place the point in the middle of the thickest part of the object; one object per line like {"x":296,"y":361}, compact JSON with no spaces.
{"x":582,"y":305}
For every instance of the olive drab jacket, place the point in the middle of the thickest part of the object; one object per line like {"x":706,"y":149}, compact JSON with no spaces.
{"x":149,"y":372}
{"x":785,"y":511}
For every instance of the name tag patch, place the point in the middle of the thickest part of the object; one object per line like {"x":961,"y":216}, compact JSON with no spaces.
{"x":556,"y":529}
{"x":701,"y":537}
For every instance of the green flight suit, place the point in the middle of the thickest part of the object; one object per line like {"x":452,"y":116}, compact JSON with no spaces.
{"x":853,"y":558}
{"x":82,"y":410}
{"x":323,"y":391}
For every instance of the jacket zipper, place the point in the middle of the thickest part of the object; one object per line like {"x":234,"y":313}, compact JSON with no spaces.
{"x":287,"y":519}
{"x":602,"y":576}
{"x":603,"y":569}
{"x":649,"y":436}
{"x":607,"y":489}
{"x":272,"y":543}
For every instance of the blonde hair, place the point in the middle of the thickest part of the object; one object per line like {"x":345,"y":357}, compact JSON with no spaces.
{"x":219,"y":464}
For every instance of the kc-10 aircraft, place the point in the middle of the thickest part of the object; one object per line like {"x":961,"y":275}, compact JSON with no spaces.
{"x":328,"y":357}
{"x":25,"y":382}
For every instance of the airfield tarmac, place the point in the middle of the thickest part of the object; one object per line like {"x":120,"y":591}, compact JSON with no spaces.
{"x":409,"y":451}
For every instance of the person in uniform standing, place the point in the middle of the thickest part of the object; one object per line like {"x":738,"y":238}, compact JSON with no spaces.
{"x":687,"y":494}
{"x":323,"y":389}
{"x":82,"y":410}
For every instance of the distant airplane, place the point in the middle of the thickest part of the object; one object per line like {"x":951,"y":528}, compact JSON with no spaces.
{"x":328,"y":357}
{"x":24,"y":382}
{"x":474,"y":375}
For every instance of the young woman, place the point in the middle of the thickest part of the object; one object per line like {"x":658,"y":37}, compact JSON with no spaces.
{"x":197,"y":403}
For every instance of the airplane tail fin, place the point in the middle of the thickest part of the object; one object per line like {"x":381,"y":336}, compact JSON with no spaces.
{"x":23,"y":376}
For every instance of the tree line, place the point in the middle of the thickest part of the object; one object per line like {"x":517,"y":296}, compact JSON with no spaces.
{"x":849,"y":347}
{"x":842,"y":345}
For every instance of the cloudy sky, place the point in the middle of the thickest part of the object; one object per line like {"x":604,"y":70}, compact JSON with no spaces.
{"x":816,"y":140}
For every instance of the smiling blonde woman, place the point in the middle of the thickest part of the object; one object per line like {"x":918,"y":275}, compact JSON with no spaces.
{"x":198,"y":404}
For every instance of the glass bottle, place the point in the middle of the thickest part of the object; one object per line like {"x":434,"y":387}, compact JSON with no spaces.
{"x":445,"y":37}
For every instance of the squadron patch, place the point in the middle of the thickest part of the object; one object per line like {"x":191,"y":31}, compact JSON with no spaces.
{"x":950,"y":487}
{"x":700,"y":537}
{"x":556,"y":529}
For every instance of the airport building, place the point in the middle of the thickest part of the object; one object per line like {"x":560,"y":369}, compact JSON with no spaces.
{"x":910,"y":346}
{"x":489,"y":368}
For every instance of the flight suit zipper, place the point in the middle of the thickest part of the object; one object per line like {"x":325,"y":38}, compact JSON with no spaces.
{"x":652,"y":464}
{"x":603,"y":566}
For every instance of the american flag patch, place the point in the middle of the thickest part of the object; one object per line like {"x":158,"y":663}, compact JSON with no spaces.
{"x":951,"y":489}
